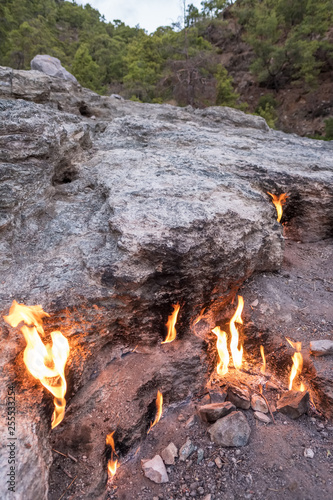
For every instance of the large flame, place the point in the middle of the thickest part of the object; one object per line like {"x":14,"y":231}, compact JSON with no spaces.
{"x":222,"y":349}
{"x":237,"y":354}
{"x":262,"y":352}
{"x":45,"y":362}
{"x":278,"y":201}
{"x":159,"y":409}
{"x":112,"y":463}
{"x":297,"y":367}
{"x":170,"y":324}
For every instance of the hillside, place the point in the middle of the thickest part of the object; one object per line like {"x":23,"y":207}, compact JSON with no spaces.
{"x":274,"y":59}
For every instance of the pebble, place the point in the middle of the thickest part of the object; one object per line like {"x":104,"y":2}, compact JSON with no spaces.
{"x":201,"y":491}
{"x":186,"y":450}
{"x":258,"y":404}
{"x":191,"y":422}
{"x":232,"y":430}
{"x":218,"y":462}
{"x":169,"y":454}
{"x":155,"y":470}
{"x":262,"y":417}
{"x":308,"y":453}
{"x":200,"y":454}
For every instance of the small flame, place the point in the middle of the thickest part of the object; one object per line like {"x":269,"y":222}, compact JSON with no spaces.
{"x":159,"y":409}
{"x":112,"y":464}
{"x":237,"y":354}
{"x":170,"y":324}
{"x":278,"y":201}
{"x":44,"y":362}
{"x":297,"y":367}
{"x":199,"y":318}
{"x":222,"y":349}
{"x":262,"y":352}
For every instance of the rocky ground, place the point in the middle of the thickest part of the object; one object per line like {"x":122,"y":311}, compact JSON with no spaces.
{"x":291,"y":459}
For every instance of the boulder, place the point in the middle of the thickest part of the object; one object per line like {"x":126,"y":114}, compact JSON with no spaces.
{"x":214,"y":411}
{"x":51,"y":66}
{"x":294,"y":403}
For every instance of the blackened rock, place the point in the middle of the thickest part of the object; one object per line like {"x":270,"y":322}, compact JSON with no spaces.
{"x":293,"y":403}
{"x":214,"y":411}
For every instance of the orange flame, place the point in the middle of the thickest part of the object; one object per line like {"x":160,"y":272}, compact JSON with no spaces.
{"x":112,"y":464}
{"x":159,"y":409}
{"x":170,"y":324}
{"x":278,"y":201}
{"x":199,"y":318}
{"x":44,"y":362}
{"x":222,"y":349}
{"x":297,"y":367}
{"x":262,"y":352}
{"x":237,"y":354}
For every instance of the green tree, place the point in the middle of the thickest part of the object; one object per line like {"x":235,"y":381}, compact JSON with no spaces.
{"x":225,"y":94}
{"x":85,"y":69}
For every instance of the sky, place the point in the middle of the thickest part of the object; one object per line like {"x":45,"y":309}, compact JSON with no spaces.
{"x":150,"y":14}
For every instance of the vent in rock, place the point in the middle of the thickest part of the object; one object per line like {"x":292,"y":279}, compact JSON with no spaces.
{"x":64,"y":174}
{"x":84,"y":109}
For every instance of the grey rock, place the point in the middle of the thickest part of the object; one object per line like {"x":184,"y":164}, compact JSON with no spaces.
{"x":186,"y":450}
{"x":309,"y":453}
{"x":262,"y":417}
{"x":258,"y":404}
{"x":169,"y":454}
{"x":214,"y":411}
{"x":217,"y":396}
{"x":218,"y":462}
{"x":321,"y":347}
{"x":240,"y":397}
{"x":200,"y":454}
{"x":294,"y":403}
{"x":51,"y":66}
{"x":191,"y":422}
{"x":232,"y":430}
{"x":155,"y":470}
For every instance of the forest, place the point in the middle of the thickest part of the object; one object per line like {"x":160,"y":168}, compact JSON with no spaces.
{"x":290,"y":44}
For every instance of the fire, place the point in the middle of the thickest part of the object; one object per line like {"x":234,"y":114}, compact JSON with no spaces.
{"x":297,"y":367}
{"x":222,"y":349}
{"x":159,"y":409}
{"x":237,"y":354}
{"x":112,"y":464}
{"x":262,"y":352}
{"x":170,"y":324}
{"x":278,"y":201}
{"x":44,"y":362}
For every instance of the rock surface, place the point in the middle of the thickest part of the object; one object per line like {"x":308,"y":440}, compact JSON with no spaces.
{"x":232,"y":430}
{"x":109,"y":222}
{"x":258,"y":404}
{"x":321,"y":347}
{"x":155,"y":470}
{"x":51,"y":66}
{"x":240,"y":397}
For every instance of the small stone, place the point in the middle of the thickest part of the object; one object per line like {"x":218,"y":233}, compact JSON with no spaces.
{"x":155,"y":470}
{"x":258,"y":404}
{"x":169,"y":454}
{"x":200,"y":454}
{"x":181,"y":418}
{"x":294,"y":403}
{"x":239,"y":397}
{"x":191,"y":422}
{"x":210,"y":464}
{"x":262,"y":417}
{"x":218,"y":462}
{"x":208,"y":497}
{"x":232,"y":430}
{"x":214,"y":411}
{"x":217,"y":396}
{"x":201,"y":491}
{"x":308,"y":453}
{"x":255,"y":303}
{"x":321,"y":347}
{"x":186,"y":450}
{"x":193,"y":486}
{"x":155,"y":498}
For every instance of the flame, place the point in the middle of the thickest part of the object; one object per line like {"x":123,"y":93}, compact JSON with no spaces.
{"x":237,"y":354}
{"x":170,"y":324}
{"x":112,"y":464}
{"x":44,"y":362}
{"x":297,"y":367}
{"x":159,"y":409}
{"x":262,"y":352}
{"x":278,"y":201}
{"x":199,"y":318}
{"x":222,"y":349}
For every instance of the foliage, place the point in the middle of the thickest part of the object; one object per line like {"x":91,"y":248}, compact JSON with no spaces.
{"x":225,"y":95}
{"x":329,"y":129}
